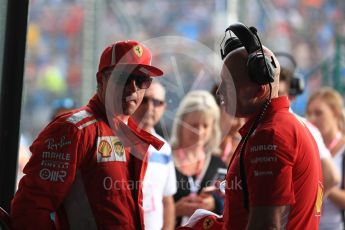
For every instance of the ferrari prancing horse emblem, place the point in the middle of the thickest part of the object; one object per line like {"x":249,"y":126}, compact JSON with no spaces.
{"x":138,"y":50}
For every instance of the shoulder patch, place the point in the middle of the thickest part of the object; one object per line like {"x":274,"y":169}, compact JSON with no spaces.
{"x":87,"y":124}
{"x":77,"y":117}
{"x":82,"y":119}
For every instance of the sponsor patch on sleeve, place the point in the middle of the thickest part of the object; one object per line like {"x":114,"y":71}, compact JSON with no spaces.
{"x":55,"y":159}
{"x":109,"y":149}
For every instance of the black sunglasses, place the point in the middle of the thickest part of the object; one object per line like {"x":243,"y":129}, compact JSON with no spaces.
{"x":155,"y":102}
{"x":141,"y":81}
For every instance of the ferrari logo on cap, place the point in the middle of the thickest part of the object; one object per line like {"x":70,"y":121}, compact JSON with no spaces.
{"x":208,"y":222}
{"x":138,"y":50}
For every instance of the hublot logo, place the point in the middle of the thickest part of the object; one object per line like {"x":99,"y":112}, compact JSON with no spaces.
{"x":258,"y":148}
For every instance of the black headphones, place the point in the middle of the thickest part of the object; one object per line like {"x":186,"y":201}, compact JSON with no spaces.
{"x":260,"y":66}
{"x":296,"y":82}
{"x":296,"y":85}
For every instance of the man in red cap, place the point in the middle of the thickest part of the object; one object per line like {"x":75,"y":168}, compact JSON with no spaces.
{"x":87,"y":165}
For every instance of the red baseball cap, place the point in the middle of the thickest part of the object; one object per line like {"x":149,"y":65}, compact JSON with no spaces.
{"x":130,"y":56}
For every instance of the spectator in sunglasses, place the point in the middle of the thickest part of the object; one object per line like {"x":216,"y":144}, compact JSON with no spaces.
{"x":160,"y":178}
{"x":87,"y":165}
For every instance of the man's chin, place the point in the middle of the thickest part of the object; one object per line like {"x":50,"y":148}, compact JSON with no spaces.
{"x":128,"y":110}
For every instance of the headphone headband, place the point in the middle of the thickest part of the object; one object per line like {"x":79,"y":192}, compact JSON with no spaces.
{"x":288,"y":57}
{"x":260,"y":66}
{"x":296,"y":82}
{"x":246,"y":36}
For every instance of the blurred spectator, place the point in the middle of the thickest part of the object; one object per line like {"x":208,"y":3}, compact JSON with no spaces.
{"x":325,"y":111}
{"x":23,"y":157}
{"x":229,"y":126}
{"x":61,"y":106}
{"x":56,"y":30}
{"x":291,"y":85}
{"x":195,"y":139}
{"x":160,"y":178}
{"x":52,"y":80}
{"x":232,"y":138}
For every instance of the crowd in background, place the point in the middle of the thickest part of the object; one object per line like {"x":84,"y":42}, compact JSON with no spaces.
{"x":312,"y":30}
{"x":53,"y":64}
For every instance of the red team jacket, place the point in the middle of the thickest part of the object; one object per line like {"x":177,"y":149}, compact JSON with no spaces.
{"x":82,"y":175}
{"x":282,"y":167}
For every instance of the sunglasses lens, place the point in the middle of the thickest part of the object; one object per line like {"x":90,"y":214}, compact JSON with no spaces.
{"x":143,"y":82}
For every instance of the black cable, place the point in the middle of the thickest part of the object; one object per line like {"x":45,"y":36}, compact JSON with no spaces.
{"x":250,"y":132}
{"x":244,"y":143}
{"x":254,"y":31}
{"x":252,"y":128}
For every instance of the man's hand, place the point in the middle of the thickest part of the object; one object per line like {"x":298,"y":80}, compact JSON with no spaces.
{"x":188,"y":204}
{"x":208,"y":201}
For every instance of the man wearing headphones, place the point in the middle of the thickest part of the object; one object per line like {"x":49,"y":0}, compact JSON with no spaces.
{"x":277,"y":160}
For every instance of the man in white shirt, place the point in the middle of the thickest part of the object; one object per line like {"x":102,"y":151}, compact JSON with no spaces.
{"x":160,"y":179}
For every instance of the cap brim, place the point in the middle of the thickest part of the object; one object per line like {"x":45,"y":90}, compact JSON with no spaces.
{"x":140,"y":68}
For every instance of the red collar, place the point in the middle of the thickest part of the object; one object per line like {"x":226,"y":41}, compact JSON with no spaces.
{"x":98,"y":108}
{"x":276,"y":104}
{"x":145,"y":136}
{"x":126,"y":131}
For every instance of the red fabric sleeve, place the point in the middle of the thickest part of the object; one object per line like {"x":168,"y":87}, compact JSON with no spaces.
{"x":50,"y":173}
{"x":269,"y":161}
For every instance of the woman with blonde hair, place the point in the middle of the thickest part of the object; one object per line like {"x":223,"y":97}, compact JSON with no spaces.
{"x":325,"y":109}
{"x":195,"y":139}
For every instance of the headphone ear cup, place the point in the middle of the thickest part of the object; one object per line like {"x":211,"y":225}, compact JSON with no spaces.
{"x":258,"y":71}
{"x":296,"y":85}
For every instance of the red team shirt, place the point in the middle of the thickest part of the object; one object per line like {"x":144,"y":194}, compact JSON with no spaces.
{"x":282,"y":167}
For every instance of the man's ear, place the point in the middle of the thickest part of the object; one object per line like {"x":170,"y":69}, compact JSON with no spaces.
{"x":262,"y":91}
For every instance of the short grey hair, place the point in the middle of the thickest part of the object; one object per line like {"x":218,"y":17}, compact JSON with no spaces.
{"x":198,"y":101}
